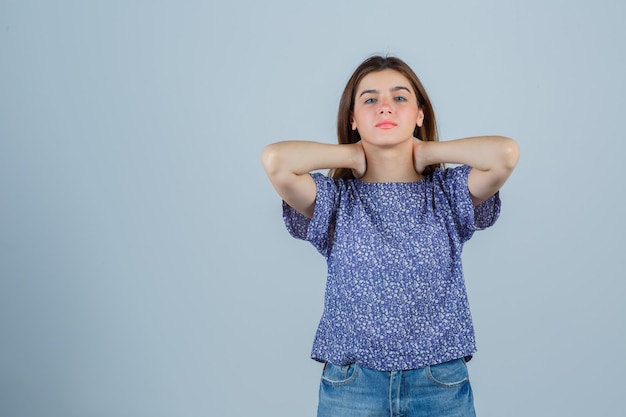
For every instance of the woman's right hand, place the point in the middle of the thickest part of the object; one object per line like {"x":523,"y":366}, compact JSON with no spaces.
{"x":359,"y":165}
{"x":288,"y":164}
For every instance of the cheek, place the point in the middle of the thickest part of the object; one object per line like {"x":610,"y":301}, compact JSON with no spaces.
{"x":361,"y":118}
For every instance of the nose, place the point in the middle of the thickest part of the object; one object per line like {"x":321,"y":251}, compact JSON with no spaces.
{"x":385,"y":106}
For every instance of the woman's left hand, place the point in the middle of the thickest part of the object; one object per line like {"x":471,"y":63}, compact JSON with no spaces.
{"x":419,"y":159}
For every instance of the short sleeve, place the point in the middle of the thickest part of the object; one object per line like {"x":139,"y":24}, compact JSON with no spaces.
{"x":318,"y":229}
{"x":468,"y":218}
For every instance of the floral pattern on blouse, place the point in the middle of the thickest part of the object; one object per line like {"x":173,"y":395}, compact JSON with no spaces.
{"x":395,"y":294}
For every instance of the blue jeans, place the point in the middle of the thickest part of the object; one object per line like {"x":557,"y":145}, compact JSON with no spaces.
{"x":354,"y":391}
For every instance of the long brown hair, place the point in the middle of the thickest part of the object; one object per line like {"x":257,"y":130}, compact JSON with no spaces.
{"x":345,"y":134}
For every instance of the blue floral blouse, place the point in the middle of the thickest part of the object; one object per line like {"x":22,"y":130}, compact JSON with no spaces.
{"x":395,"y":294}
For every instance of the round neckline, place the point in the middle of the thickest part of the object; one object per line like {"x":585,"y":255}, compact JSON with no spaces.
{"x":360,"y":181}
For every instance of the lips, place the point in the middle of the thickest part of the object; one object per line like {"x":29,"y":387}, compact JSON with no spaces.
{"x":386,"y":124}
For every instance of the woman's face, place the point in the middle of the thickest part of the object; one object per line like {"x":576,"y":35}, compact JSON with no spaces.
{"x":385,"y":108}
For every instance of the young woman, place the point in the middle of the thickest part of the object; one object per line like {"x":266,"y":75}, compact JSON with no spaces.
{"x":391,"y":221}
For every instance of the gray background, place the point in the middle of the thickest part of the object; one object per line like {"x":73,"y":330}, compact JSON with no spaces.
{"x":144,"y":266}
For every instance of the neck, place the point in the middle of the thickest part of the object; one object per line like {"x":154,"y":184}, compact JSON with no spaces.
{"x":390,"y":164}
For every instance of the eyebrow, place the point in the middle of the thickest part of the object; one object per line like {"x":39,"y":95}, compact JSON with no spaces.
{"x":397,"y":88}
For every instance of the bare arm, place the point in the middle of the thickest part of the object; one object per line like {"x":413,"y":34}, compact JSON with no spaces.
{"x":492,"y":159}
{"x":287,"y":165}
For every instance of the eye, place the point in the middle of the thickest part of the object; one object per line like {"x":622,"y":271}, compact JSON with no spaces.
{"x":371,"y":100}
{"x":400,"y":98}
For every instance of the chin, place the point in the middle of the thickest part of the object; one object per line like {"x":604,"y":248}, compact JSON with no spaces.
{"x":387,"y":141}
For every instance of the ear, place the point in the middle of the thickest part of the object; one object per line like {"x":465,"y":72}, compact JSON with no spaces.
{"x":420,"y":118}
{"x":353,"y":122}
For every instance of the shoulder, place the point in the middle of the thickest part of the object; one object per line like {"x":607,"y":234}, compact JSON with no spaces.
{"x":449,"y":180}
{"x":329,"y":185}
{"x":451,"y":174}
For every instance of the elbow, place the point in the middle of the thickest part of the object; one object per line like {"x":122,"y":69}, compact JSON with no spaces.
{"x":510,"y":153}
{"x":270,"y":158}
{"x":275,"y":163}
